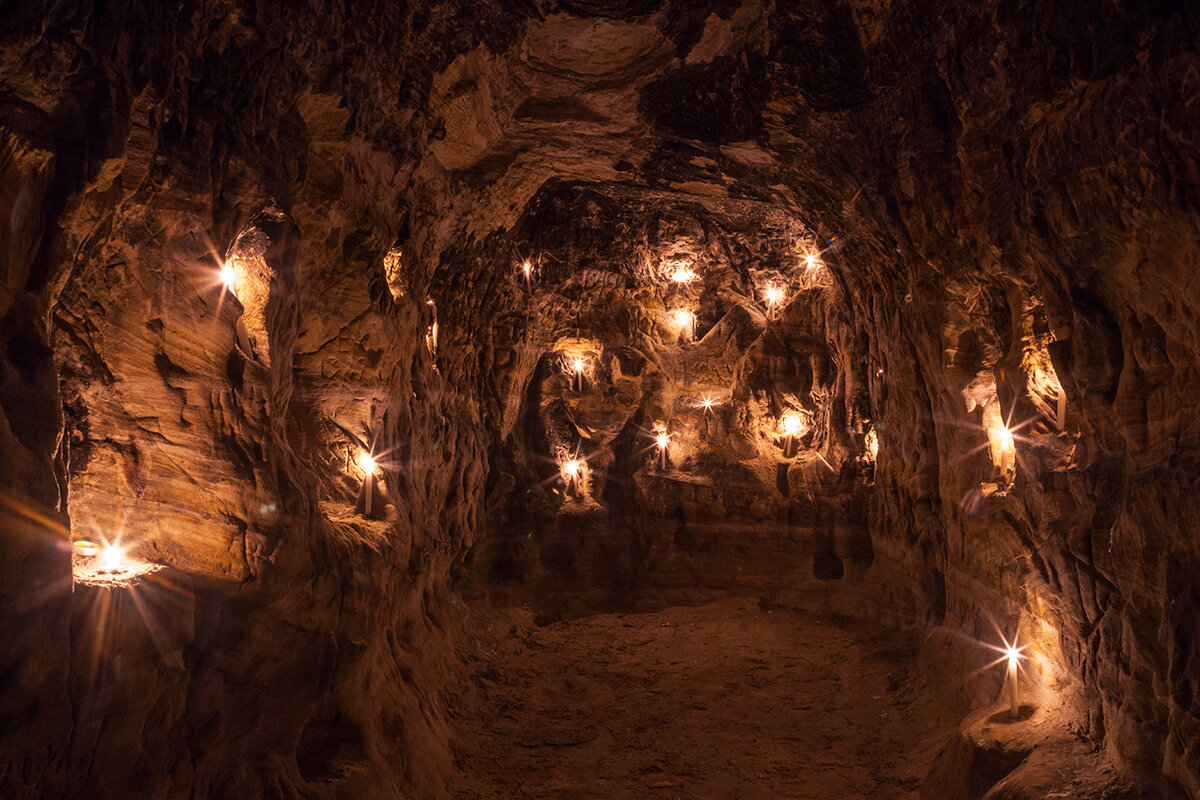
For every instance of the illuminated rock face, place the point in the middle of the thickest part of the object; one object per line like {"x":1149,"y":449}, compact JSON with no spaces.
{"x":1005,"y":212}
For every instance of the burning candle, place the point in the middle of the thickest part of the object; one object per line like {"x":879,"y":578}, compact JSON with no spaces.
{"x":683,"y":274}
{"x":85,"y":548}
{"x":570,"y":475}
{"x":112,"y":558}
{"x":527,"y":269}
{"x":1013,"y":658}
{"x":662,"y":440}
{"x":685,"y":320}
{"x":229,"y":276}
{"x":1007,"y":453}
{"x":366,"y":463}
{"x":774,"y":296}
{"x":578,"y":365}
{"x":706,"y":403}
{"x":793,"y":426}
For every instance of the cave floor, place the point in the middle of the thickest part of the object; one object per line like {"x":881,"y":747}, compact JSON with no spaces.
{"x":725,"y":700}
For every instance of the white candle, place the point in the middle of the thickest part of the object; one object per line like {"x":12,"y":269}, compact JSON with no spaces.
{"x":661,"y":440}
{"x":1013,"y":657}
{"x":367,"y":462}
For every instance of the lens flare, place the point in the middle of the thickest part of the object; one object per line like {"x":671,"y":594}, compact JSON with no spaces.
{"x":366,"y":462}
{"x":113,"y":557}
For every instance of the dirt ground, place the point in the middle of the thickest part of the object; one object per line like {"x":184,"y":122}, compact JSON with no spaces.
{"x":727,"y":700}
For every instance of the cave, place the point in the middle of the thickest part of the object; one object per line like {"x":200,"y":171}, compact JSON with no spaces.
{"x":600,"y":399}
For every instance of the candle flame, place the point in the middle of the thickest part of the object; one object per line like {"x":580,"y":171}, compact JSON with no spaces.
{"x":1005,"y":437}
{"x":792,"y":424}
{"x":774,"y":295}
{"x":707,"y":403}
{"x":571,"y":469}
{"x":683,"y":274}
{"x":683,"y":317}
{"x":527,"y":267}
{"x":661,"y":440}
{"x":578,"y":364}
{"x":366,"y":462}
{"x":228,"y":275}
{"x":112,"y":557}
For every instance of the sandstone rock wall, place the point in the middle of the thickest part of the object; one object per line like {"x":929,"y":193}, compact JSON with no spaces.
{"x":1003,"y":202}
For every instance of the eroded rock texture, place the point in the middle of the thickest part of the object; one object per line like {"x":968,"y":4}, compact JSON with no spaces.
{"x":978,"y":218}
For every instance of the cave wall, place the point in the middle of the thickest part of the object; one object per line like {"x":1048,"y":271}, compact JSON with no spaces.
{"x":1004,"y":193}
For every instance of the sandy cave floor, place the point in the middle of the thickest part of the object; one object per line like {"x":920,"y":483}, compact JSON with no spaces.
{"x":727,"y":700}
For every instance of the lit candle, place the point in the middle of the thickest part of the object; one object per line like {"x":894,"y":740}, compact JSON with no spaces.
{"x":685,"y":320}
{"x":112,"y":558}
{"x":570,"y":474}
{"x":662,"y":440}
{"x":577,"y":368}
{"x":707,"y":404}
{"x":527,"y":268}
{"x":85,"y":548}
{"x":774,"y":296}
{"x":1008,"y":453}
{"x":683,"y":274}
{"x":1013,"y":655}
{"x":793,"y":426}
{"x":229,"y":276}
{"x":366,"y":462}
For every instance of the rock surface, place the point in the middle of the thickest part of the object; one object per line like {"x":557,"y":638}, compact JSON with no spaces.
{"x":999,"y":203}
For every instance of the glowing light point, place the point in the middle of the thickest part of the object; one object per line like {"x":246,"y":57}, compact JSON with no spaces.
{"x":112,"y":558}
{"x":571,"y":469}
{"x":366,"y":463}
{"x":706,"y":403}
{"x":774,"y":296}
{"x":228,"y":275}
{"x":1013,"y":654}
{"x":792,"y":424}
{"x":683,"y":274}
{"x":526,"y":267}
{"x":578,"y":365}
{"x":685,"y":320}
{"x":661,"y":440}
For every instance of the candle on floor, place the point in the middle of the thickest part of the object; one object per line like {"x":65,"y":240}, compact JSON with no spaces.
{"x":527,"y":268}
{"x":662,"y":440}
{"x":366,"y":462}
